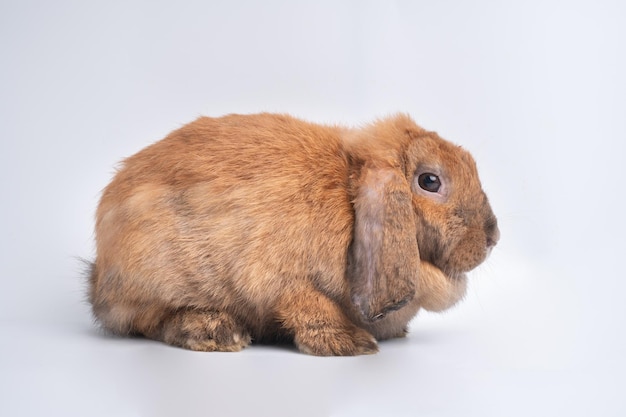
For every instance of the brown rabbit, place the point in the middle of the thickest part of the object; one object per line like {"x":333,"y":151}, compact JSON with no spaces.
{"x":269,"y":228}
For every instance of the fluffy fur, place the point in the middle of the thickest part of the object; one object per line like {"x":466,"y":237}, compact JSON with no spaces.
{"x":265,"y":227}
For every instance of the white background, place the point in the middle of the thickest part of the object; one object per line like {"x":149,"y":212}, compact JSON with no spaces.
{"x":534,"y":89}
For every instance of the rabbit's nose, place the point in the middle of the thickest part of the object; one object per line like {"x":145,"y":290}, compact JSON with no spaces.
{"x":492,"y":240}
{"x":493,"y":232}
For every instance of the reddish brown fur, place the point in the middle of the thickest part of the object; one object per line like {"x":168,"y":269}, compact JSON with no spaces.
{"x":243,"y":227}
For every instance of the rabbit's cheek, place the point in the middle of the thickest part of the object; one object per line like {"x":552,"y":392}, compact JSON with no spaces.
{"x":469,"y":253}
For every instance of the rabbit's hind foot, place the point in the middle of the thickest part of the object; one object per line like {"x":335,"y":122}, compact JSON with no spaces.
{"x":201,"y":330}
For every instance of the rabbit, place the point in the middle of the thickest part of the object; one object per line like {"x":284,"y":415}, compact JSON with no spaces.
{"x":265,"y":227}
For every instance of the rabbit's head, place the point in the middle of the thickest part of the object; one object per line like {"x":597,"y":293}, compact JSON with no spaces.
{"x":417,"y":198}
{"x":456,"y":228}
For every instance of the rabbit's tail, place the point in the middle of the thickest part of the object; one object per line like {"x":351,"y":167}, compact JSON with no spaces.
{"x":90,"y":277}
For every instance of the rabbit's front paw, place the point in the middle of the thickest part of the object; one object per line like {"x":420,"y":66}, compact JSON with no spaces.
{"x":333,"y":341}
{"x":319,"y":326}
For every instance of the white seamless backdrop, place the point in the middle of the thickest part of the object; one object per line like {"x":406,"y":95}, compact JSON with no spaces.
{"x":535,"y":90}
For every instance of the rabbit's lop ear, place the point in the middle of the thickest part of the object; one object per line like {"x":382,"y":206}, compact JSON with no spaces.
{"x":384,"y":257}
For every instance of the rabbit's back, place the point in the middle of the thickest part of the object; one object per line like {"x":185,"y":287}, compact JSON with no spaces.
{"x":226,"y":212}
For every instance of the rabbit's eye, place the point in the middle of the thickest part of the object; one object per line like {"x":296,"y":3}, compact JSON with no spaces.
{"x":429,"y":182}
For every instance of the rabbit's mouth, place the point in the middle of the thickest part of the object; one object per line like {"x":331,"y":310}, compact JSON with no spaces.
{"x":456,"y":275}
